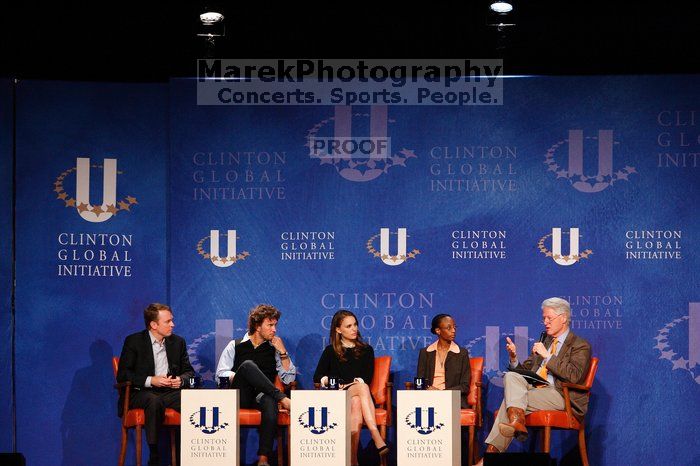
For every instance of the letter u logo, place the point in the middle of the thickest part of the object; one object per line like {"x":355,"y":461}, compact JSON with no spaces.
{"x":82,"y":189}
{"x":425,"y":418}
{"x":318,"y":418}
{"x":203,"y":417}
{"x":573,"y":256}
{"x":605,"y":160}
{"x":387,"y":258}
{"x":378,"y":124}
{"x":215,"y":257}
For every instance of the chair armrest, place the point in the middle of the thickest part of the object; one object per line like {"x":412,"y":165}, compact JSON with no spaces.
{"x":389,"y":390}
{"x":409,"y":385}
{"x":127,"y":397}
{"x":317,"y":386}
{"x":575,"y":386}
{"x":477,"y":406}
{"x":567,"y":402}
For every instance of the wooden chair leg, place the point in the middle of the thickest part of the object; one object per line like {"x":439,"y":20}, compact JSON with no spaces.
{"x":280,"y":449}
{"x":289,"y":444}
{"x":122,"y":452}
{"x":138,"y":445}
{"x":382,"y":432}
{"x":173,"y":447}
{"x":471,"y":446}
{"x":582,"y":446}
{"x":546,"y":440}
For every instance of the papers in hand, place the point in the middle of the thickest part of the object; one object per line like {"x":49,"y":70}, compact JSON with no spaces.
{"x":530,"y":376}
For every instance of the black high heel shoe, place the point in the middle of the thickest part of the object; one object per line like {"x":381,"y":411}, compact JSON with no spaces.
{"x":383,"y":451}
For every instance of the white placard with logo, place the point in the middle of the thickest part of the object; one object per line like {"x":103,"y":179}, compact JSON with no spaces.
{"x":427,"y":427}
{"x":320,"y":432}
{"x":209,"y":428}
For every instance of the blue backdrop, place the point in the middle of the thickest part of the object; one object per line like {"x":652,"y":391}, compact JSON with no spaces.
{"x":71,"y":322}
{"x":479,"y":192}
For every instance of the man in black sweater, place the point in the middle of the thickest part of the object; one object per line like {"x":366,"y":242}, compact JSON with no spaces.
{"x":252,"y":364}
{"x":155,"y":361}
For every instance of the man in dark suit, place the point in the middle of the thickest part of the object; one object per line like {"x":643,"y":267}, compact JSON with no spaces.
{"x":155,"y":361}
{"x":562,"y":357}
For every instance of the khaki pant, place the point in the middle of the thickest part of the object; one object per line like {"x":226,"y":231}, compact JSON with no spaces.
{"x":520,"y":394}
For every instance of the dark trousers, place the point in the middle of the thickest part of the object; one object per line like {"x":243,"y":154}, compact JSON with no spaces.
{"x":257,"y":392}
{"x":154,"y":402}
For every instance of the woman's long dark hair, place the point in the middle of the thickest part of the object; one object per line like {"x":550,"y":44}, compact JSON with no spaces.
{"x":335,"y":336}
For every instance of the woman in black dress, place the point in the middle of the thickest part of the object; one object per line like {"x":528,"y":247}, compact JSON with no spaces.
{"x":351,"y":360}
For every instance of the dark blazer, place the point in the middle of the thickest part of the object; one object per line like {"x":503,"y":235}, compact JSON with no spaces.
{"x":570,"y":365}
{"x":457,"y":370}
{"x":136,"y":361}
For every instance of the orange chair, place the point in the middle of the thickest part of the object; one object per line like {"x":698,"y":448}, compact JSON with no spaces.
{"x":471,"y":417}
{"x":380,"y":388}
{"x":565,"y":419}
{"x":249,"y":417}
{"x":136,"y":419}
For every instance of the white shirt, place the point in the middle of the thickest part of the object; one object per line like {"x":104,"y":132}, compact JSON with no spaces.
{"x":228,"y":356}
{"x":160,"y":358}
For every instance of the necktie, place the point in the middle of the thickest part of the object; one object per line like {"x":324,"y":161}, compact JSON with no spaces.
{"x":542,"y":372}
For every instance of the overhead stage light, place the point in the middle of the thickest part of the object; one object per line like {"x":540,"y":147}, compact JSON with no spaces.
{"x":502,"y":15}
{"x":501,"y":7}
{"x":211,"y":26}
{"x":211,"y":17}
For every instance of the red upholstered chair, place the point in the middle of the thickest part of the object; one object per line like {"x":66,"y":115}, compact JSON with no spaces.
{"x":381,"y":388}
{"x":136,"y":419}
{"x":248,"y":417}
{"x":470,"y":417}
{"x":565,"y":419}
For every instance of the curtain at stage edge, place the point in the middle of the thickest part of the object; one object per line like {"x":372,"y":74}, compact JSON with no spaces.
{"x":88,"y":260}
{"x":6,"y":143}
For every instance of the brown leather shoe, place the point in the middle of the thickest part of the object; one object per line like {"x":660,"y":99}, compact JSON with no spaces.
{"x":516,"y":425}
{"x":489,"y":449}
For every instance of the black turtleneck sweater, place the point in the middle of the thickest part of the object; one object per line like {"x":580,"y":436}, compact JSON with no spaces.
{"x":330,"y":365}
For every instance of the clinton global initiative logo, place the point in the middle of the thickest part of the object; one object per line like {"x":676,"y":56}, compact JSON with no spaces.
{"x":316,"y":420}
{"x":574,"y":174}
{"x":677,"y":333}
{"x":575,"y":254}
{"x":384,"y":254}
{"x":208,"y":420}
{"x":214,"y":254}
{"x":356,"y":158}
{"x":422,"y":420}
{"x":81,"y":202}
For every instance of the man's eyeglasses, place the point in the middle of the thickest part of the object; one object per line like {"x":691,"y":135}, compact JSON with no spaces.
{"x":548,"y":319}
